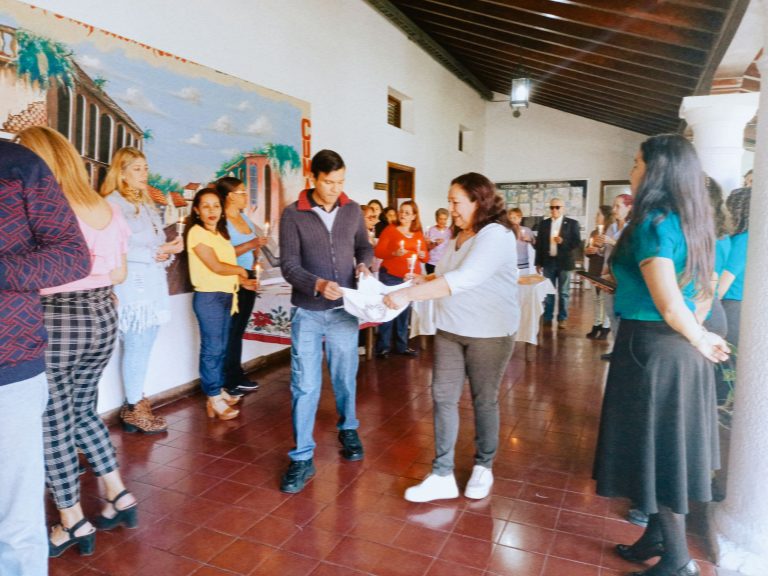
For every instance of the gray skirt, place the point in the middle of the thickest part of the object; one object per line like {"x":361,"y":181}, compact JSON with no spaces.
{"x":658,"y":440}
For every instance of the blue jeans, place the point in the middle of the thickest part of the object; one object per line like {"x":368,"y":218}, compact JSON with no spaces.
{"x":308,"y":329}
{"x":399,"y":323}
{"x":23,"y":538}
{"x":213,"y":311}
{"x":561,"y":280}
{"x":137,"y":347}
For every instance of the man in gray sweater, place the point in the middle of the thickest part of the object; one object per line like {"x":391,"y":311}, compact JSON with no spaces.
{"x":323,"y":247}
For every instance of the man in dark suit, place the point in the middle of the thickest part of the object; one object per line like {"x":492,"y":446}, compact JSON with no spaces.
{"x":557,"y":237}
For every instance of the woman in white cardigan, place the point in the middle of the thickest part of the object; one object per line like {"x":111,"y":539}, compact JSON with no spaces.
{"x":477,"y":315}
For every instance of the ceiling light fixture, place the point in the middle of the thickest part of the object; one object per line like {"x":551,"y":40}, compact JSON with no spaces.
{"x":519,"y":94}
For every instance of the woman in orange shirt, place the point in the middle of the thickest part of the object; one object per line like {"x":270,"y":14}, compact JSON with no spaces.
{"x":402,"y":249}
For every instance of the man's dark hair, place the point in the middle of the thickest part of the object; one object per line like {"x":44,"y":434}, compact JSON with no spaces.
{"x":326,"y":161}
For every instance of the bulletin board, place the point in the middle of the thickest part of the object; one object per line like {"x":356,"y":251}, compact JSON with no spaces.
{"x":533,"y":197}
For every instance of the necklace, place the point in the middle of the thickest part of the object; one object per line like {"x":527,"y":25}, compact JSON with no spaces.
{"x":135,"y":193}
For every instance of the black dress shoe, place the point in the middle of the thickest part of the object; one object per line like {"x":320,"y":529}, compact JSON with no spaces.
{"x":248,"y":385}
{"x":603,"y":334}
{"x":297,"y":475}
{"x":690,"y":569}
{"x":408,"y":352}
{"x":234,"y":391}
{"x":382,"y":354}
{"x":606,"y":356}
{"x":595,"y":331}
{"x":634,"y":553}
{"x":351,"y":447}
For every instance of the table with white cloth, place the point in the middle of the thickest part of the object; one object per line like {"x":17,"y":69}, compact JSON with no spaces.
{"x":531,"y":291}
{"x":270,"y":319}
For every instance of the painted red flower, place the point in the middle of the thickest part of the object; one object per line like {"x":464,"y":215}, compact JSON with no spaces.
{"x":261,"y":319}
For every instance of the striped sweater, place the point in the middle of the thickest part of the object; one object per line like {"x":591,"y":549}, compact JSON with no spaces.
{"x":40,"y":246}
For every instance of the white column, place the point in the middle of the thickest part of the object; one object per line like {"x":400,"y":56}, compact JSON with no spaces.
{"x":739,"y":524}
{"x":718,"y":123}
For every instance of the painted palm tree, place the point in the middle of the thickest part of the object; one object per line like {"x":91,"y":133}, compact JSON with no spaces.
{"x":42,"y":61}
{"x":165,"y":185}
{"x":282,"y":158}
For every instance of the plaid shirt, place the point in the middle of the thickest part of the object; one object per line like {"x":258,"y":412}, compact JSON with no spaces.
{"x":40,"y":245}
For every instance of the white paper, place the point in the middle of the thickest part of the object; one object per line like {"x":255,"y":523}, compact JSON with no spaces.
{"x":367,"y":302}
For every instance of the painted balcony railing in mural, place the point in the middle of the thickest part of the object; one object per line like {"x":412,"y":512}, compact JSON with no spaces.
{"x":8,"y":45}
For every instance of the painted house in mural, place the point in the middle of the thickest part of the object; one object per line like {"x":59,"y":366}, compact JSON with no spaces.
{"x":262,"y":183}
{"x":41,"y":84}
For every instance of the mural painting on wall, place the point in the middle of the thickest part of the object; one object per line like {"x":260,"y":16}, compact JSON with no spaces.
{"x":193,"y":123}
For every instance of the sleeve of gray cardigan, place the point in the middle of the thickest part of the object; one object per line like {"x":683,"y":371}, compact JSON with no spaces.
{"x":290,"y":256}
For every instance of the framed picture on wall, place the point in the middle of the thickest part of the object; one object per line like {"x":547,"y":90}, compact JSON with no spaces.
{"x":533,"y":198}
{"x":609,"y":189}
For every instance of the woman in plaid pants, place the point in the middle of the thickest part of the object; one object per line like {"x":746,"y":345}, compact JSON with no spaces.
{"x":81,"y":321}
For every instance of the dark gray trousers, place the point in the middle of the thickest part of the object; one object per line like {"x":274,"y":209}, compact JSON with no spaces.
{"x":483,"y":361}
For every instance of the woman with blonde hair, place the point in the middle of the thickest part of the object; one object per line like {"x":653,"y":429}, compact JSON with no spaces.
{"x":143,"y":297}
{"x":81,"y":321}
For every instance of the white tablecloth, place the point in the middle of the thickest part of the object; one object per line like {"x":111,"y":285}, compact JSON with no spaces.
{"x":531,"y":307}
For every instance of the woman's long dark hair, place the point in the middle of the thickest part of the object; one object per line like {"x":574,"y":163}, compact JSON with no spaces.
{"x":674,"y":182}
{"x":738,"y":205}
{"x":194,"y":217}
{"x":719,"y":214}
{"x":491,"y":208}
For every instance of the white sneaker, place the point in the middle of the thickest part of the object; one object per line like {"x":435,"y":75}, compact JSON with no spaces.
{"x":433,"y":487}
{"x":479,"y":485}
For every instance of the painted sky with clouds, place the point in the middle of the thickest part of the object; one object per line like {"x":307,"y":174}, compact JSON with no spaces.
{"x":196,"y":123}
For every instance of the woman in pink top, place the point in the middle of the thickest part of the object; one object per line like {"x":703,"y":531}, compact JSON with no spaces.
{"x":81,"y":321}
{"x":437,"y":238}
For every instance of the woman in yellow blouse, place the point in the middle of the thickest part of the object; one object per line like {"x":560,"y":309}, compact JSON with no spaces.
{"x":216,"y":277}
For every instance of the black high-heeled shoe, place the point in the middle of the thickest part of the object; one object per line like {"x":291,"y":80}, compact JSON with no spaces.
{"x":690,"y":569}
{"x":86,"y":543}
{"x":127,"y":516}
{"x":635,"y":553}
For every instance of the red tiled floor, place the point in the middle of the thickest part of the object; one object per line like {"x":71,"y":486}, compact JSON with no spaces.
{"x":210,"y":503}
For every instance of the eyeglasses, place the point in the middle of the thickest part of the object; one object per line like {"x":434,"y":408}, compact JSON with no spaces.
{"x":555,"y":207}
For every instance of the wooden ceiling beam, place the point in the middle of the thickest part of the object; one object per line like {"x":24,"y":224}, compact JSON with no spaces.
{"x":635,"y":125}
{"x":454,"y":36}
{"x":664,"y":11}
{"x":538,"y":74}
{"x":525,"y":58}
{"x":543,"y":40}
{"x":579,"y":101}
{"x":651,"y":11}
{"x":621,"y":107}
{"x":649,"y":40}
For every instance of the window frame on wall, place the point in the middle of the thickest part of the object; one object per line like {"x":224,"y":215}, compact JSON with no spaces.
{"x":394,"y":111}
{"x":404,"y":114}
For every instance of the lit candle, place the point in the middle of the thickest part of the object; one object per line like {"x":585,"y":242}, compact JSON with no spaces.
{"x":266,"y":229}
{"x":590,"y":242}
{"x":418,"y":245}
{"x":257,"y":268}
{"x":402,"y":244}
{"x":599,"y":229}
{"x":180,"y":226}
{"x":411,"y":263}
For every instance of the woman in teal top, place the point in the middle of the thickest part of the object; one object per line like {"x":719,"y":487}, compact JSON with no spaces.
{"x":731,"y":283}
{"x":243,"y":235}
{"x":658,"y":431}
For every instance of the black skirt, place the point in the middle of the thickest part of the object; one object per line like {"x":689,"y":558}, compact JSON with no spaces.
{"x":658,"y":441}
